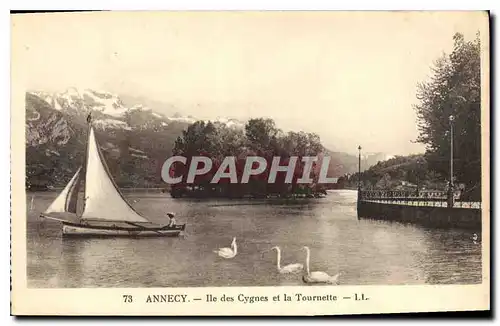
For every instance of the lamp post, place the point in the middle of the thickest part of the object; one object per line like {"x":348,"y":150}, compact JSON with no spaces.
{"x":359,"y":168}
{"x":450,"y":185}
{"x":418,"y":176}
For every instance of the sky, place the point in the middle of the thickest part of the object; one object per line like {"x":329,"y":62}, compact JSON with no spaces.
{"x":351,"y":77}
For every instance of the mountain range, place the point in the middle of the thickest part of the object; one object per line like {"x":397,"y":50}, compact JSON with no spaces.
{"x":134,"y":138}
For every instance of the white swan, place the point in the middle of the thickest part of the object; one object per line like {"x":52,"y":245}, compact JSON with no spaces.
{"x":317,"y":277}
{"x":291,"y":268}
{"x":228,"y":252}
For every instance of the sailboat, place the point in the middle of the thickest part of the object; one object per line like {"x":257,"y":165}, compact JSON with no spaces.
{"x":105,"y":211}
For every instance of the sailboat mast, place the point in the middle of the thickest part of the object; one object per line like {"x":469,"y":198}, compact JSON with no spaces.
{"x":89,"y":125}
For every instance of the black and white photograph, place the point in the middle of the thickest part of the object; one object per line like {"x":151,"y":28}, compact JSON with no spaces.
{"x":315,"y":150}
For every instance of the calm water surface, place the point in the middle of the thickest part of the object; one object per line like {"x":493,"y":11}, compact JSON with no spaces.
{"x":367,"y":252}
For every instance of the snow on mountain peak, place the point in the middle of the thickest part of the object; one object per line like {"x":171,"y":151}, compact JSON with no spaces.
{"x":230,"y":122}
{"x":111,"y":123}
{"x":114,"y":109}
{"x":85,"y":99}
{"x":187,"y":119}
{"x":106,"y":103}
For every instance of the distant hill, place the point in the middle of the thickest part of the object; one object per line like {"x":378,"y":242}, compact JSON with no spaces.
{"x":135,"y":141}
{"x":135,"y":138}
{"x":399,"y":172}
{"x":348,"y":163}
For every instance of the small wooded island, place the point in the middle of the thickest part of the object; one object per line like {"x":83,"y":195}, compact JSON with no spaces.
{"x":260,"y":137}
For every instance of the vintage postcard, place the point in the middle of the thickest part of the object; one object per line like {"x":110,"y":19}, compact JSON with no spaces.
{"x":250,"y":163}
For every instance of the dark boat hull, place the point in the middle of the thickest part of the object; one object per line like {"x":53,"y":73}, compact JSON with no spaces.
{"x":89,"y":230}
{"x":72,"y":226}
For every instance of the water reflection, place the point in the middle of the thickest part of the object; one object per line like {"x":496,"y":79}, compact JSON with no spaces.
{"x":367,"y":252}
{"x":71,"y":261}
{"x":450,"y":256}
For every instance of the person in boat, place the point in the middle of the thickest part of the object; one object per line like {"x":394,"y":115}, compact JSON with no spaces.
{"x":172,"y":222}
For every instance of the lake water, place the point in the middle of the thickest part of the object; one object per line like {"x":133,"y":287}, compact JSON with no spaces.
{"x":366,"y":251}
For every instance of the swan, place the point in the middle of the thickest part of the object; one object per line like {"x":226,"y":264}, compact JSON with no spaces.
{"x":317,"y":277}
{"x":291,"y":268}
{"x":228,"y":252}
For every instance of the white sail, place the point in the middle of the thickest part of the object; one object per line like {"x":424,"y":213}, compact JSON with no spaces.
{"x":103,"y":199}
{"x":66,"y":201}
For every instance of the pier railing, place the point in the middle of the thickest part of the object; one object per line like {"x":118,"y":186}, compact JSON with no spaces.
{"x":415,"y":198}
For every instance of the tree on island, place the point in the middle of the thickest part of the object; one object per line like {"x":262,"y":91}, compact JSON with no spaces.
{"x":261,"y":138}
{"x":454,"y":90}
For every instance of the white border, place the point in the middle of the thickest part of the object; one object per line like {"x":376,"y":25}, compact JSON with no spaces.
{"x":184,"y":5}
